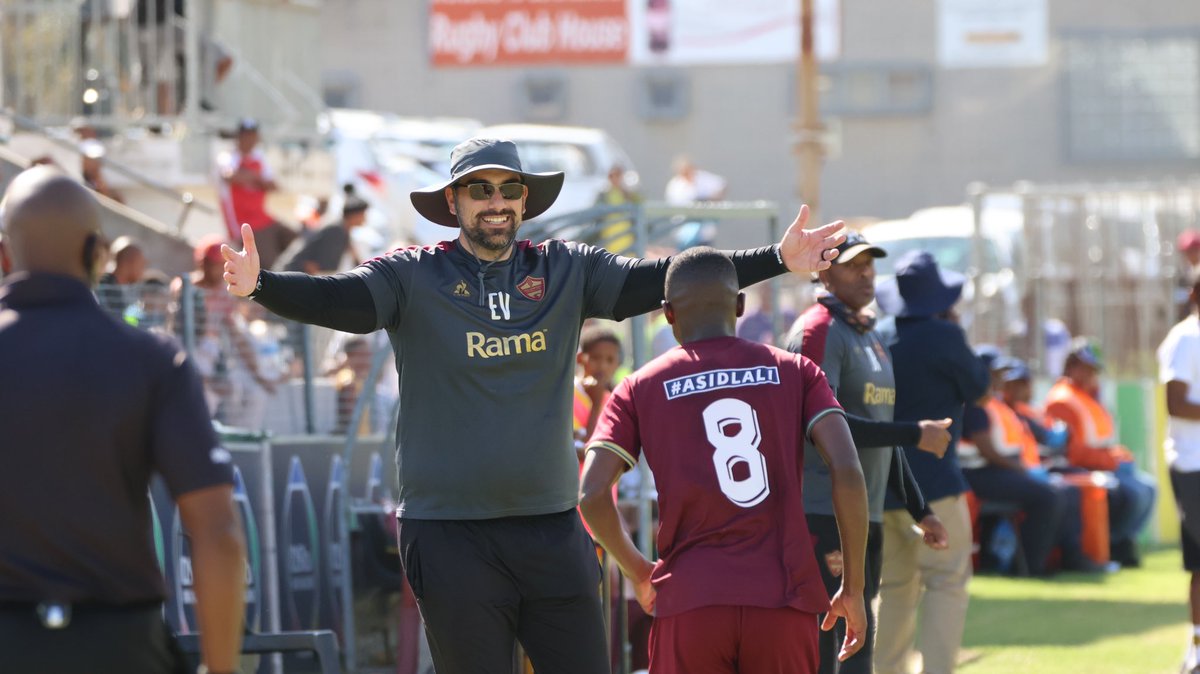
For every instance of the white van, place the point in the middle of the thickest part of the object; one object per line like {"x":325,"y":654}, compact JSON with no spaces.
{"x":948,"y":233}
{"x":584,"y":154}
{"x":386,"y":157}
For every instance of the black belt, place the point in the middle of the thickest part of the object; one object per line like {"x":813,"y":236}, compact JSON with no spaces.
{"x":56,"y":615}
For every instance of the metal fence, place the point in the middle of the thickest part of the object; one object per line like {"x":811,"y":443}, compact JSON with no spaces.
{"x":1098,"y":260}
{"x":260,"y":372}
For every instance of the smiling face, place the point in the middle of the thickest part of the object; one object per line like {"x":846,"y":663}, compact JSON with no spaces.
{"x":488,"y":226}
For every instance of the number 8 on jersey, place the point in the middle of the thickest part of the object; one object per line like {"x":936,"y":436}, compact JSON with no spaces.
{"x":742,"y":447}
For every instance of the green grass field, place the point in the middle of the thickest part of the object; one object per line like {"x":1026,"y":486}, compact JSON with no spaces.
{"x":1131,"y":622}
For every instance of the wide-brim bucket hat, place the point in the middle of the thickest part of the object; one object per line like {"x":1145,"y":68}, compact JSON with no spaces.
{"x":920,"y":287}
{"x":480,"y":154}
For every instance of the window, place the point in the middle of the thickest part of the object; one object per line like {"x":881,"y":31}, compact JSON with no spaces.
{"x":545,"y":97}
{"x":864,"y":89}
{"x":663,"y":95}
{"x":1132,"y":97}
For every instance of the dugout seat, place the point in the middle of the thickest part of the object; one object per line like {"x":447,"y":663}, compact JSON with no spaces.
{"x":983,"y":516}
{"x":322,"y":643}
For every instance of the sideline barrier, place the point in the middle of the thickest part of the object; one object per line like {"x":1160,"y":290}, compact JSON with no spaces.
{"x":295,"y":496}
{"x":321,"y":643}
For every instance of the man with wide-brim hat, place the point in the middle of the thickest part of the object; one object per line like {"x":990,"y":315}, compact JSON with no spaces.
{"x":838,"y":333}
{"x":937,"y":373}
{"x":485,"y":329}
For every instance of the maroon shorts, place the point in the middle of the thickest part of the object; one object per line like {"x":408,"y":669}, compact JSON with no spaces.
{"x":733,"y":640}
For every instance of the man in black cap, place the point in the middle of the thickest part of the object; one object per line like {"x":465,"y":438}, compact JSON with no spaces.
{"x":485,"y":329}
{"x":838,"y":333}
{"x":937,"y":373}
{"x":322,"y":252}
{"x":89,"y":408}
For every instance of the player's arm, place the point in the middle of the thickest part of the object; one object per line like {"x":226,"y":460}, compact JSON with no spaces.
{"x":832,"y":438}
{"x":1178,"y":404}
{"x":219,"y":565}
{"x":601,"y":469}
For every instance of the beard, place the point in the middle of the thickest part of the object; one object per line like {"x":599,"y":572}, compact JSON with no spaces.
{"x":495,"y":241}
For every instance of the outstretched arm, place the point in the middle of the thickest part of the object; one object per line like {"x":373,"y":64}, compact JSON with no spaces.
{"x":799,"y":251}
{"x":341,"y":301}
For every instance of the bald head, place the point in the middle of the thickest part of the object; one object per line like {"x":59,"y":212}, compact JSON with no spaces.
{"x":48,"y":220}
{"x":702,"y":295}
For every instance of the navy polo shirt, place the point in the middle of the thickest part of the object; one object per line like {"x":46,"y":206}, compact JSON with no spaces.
{"x":89,"y":409}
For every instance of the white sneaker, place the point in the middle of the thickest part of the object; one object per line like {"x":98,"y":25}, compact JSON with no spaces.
{"x":1191,"y":662}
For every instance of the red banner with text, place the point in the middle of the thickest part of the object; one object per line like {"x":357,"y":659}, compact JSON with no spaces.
{"x":525,"y":32}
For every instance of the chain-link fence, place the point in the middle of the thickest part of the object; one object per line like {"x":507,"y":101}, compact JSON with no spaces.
{"x":261,"y":372}
{"x":1096,"y":260}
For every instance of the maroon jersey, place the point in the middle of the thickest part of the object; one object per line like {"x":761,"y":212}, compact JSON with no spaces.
{"x":723,"y":422}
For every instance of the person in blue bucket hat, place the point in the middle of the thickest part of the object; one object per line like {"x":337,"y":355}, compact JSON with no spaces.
{"x":937,"y":373}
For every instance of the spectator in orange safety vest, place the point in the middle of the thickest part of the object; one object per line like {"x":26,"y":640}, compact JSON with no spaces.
{"x":1001,"y":462}
{"x":1093,"y":445}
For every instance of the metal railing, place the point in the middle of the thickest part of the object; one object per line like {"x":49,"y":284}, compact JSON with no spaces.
{"x":1099,"y":260}
{"x":185,"y":200}
{"x":125,"y":64}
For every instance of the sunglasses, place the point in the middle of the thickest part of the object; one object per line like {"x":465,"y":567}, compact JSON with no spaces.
{"x":484,"y":191}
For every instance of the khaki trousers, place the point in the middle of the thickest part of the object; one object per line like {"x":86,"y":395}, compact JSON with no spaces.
{"x":923,"y":584}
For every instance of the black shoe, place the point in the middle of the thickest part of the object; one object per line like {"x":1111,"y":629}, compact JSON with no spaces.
{"x":1125,"y":553}
{"x":1083,"y":565}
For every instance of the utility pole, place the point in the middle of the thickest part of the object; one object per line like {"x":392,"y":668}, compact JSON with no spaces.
{"x":809,"y":148}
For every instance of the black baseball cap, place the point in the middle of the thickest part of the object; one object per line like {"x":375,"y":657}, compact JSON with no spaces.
{"x":854,"y":244}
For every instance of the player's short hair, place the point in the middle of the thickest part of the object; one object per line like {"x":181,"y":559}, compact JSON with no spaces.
{"x":701,"y":263}
{"x":593,"y":336}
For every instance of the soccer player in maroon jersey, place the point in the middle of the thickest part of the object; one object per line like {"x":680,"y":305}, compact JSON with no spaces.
{"x":722,"y":422}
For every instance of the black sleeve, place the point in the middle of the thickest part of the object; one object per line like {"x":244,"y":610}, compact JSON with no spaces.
{"x":903,"y":485}
{"x":341,"y":301}
{"x":871,"y":433}
{"x":643,"y":287}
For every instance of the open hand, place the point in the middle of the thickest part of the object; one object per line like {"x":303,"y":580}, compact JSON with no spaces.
{"x":241,"y":269}
{"x":935,"y":436}
{"x":852,"y":609}
{"x":810,"y":250}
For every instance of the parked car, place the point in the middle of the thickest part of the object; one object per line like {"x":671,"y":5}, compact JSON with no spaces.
{"x":584,"y":154}
{"x":991,"y":304}
{"x":385,"y":157}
